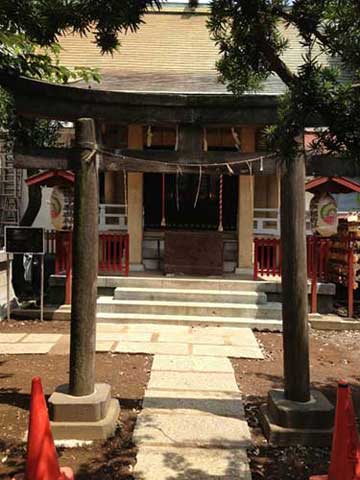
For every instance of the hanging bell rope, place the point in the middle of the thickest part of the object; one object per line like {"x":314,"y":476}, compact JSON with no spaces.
{"x":221,"y":186}
{"x":198,"y":188}
{"x":163,"y":197}
{"x":177,"y":139}
{"x":177,"y":190}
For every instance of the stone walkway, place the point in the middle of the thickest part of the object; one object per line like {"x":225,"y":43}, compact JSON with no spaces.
{"x":143,"y":338}
{"x":192,"y":426}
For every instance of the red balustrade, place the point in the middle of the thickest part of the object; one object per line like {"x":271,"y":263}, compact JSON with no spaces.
{"x":267,"y":262}
{"x":267,"y":257}
{"x":113,"y":251}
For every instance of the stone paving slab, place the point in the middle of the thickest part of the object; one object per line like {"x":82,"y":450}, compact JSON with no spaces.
{"x":189,"y":338}
{"x":62,"y":347}
{"x":110,"y":327}
{"x":221,"y":331}
{"x":152,"y":348}
{"x":191,"y":364}
{"x":124,"y":337}
{"x":11,"y":337}
{"x":178,"y":429}
{"x":191,"y":464}
{"x":193,"y":381}
{"x":224,"y":404}
{"x":228,"y":351}
{"x":42,"y":338}
{"x":104,"y":346}
{"x":24,"y":348}
{"x":154,"y":328}
{"x":247,"y":341}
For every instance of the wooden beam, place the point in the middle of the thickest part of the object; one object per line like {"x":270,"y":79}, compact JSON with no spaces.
{"x":85,"y":264}
{"x":64,"y":102}
{"x":45,"y":158}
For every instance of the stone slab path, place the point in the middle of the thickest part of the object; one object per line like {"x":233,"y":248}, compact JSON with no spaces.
{"x":192,"y":425}
{"x":144,"y":338}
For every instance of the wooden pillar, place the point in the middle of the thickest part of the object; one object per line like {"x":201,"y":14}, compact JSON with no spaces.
{"x":110,"y":186}
{"x":85,"y":262}
{"x":246,"y":207}
{"x":135,"y":201}
{"x":294,"y":281}
{"x":273,"y":193}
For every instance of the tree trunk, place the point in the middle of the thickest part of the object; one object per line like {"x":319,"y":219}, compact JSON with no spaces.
{"x":294,"y":281}
{"x":85,"y":263}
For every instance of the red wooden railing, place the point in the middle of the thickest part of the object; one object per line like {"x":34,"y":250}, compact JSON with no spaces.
{"x":113,"y":251}
{"x":267,"y":262}
{"x":317,"y":253}
{"x":267,"y":257}
{"x":113,"y":254}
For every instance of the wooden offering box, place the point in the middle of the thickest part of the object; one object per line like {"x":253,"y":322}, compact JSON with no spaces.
{"x":194,"y":252}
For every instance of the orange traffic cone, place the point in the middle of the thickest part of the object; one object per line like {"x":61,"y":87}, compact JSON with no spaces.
{"x":345,"y":451}
{"x":41,"y":458}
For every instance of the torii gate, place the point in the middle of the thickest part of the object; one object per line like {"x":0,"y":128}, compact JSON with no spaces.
{"x":289,"y":413}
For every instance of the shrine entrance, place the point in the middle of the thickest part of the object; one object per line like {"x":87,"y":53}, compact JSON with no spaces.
{"x":189,"y":213}
{"x":190,"y":202}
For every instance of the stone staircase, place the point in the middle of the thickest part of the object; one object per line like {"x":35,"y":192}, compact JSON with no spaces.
{"x":189,"y":301}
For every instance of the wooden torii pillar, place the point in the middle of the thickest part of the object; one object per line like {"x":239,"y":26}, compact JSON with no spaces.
{"x":295,"y":414}
{"x":83,"y":409}
{"x":85,"y":261}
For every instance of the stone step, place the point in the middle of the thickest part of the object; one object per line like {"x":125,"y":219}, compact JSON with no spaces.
{"x":190,"y":321}
{"x":186,"y":283}
{"x":272,"y":311}
{"x":185,"y":295}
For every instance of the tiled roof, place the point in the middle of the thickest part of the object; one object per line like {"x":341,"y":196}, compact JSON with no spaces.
{"x":172,"y":51}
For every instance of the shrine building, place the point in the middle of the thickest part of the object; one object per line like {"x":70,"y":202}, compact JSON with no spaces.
{"x":160,"y":95}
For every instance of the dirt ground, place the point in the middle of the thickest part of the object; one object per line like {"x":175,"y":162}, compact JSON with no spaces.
{"x":334,"y":356}
{"x":35,"y":326}
{"x":128,"y":376}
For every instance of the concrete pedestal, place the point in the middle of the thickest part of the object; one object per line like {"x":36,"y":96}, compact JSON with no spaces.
{"x":291,"y":423}
{"x":92,"y":417}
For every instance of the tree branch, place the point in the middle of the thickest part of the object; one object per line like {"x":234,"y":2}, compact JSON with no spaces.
{"x":277,"y":65}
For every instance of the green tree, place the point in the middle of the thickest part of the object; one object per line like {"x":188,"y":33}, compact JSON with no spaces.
{"x":29,"y":46}
{"x":252,"y":46}
{"x":250,"y":36}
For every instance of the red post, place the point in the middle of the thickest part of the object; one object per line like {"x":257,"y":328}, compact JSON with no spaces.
{"x":314,"y":275}
{"x":280,"y":258}
{"x":108,"y":252}
{"x":256,"y":259}
{"x":68,"y":281}
{"x":121,"y":248}
{"x":262,"y":259}
{"x":351,"y":281}
{"x":268,"y":260}
{"x":127,"y":254}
